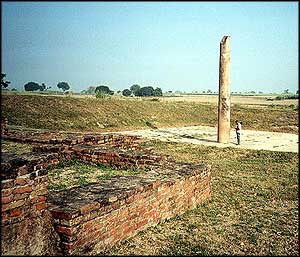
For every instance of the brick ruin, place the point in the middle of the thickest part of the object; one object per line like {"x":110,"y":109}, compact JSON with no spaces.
{"x":87,"y":219}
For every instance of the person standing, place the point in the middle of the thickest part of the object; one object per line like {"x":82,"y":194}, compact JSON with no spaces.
{"x":238,"y":130}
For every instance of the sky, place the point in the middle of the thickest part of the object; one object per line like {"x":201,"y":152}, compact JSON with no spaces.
{"x":171,"y":45}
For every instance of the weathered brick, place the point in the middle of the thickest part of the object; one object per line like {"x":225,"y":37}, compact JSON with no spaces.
{"x":129,"y":229}
{"x":6,"y":192}
{"x":39,"y":198}
{"x":67,"y":247}
{"x":12,"y":205}
{"x":4,"y":218}
{"x":89,"y":207}
{"x":41,"y":179}
{"x":23,"y":170}
{"x":6,"y":199}
{"x":61,"y":214}
{"x":41,"y":206}
{"x":22,"y":181}
{"x":149,"y":214}
{"x":141,"y":207}
{"x":24,"y":189}
{"x":15,"y":212}
{"x":8,"y":183}
{"x":64,"y":230}
{"x":42,"y":191}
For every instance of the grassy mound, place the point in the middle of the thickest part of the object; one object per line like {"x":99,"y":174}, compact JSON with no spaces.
{"x":115,"y":114}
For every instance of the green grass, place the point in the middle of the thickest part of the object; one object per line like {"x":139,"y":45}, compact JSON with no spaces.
{"x":75,"y":173}
{"x":253,"y":210}
{"x":115,"y":114}
{"x":14,"y":147}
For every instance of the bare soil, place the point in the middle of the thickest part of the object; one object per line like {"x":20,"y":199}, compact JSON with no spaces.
{"x":205,"y":135}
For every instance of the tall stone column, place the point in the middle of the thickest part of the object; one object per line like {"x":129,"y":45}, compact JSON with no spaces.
{"x":224,"y":92}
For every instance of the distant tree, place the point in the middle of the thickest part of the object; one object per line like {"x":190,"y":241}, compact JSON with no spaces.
{"x":146,"y":91}
{"x":32,"y":86}
{"x":63,"y":85}
{"x":91,"y":90}
{"x":126,"y":92}
{"x":135,"y":89}
{"x":4,"y":83}
{"x":209,"y":91}
{"x":104,"y":90}
{"x":297,"y":92}
{"x":286,"y":91}
{"x":43,"y":87}
{"x":158,"y":92}
{"x":252,"y":92}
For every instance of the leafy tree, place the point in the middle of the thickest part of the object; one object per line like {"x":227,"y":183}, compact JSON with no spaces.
{"x":63,"y":85}
{"x":135,"y":89}
{"x":100,"y":94}
{"x":158,"y":92}
{"x":286,"y":91}
{"x":32,"y":86}
{"x":146,"y":91}
{"x":126,"y":92}
{"x":104,"y":90}
{"x":4,"y":83}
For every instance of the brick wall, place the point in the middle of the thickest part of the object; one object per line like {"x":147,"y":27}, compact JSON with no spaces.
{"x":25,"y":227}
{"x":90,"y":224}
{"x":87,"y":219}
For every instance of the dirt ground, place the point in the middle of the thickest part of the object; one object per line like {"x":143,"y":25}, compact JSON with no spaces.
{"x":205,"y":135}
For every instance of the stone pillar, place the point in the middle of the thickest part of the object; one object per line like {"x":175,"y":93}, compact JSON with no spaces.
{"x":224,"y":92}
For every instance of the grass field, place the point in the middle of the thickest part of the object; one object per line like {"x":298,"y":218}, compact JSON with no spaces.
{"x":86,"y":114}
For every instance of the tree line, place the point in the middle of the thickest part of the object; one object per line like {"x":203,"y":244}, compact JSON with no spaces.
{"x":33,"y":86}
{"x":100,"y":91}
{"x":134,"y":90}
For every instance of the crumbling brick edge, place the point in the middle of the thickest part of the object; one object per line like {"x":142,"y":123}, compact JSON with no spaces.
{"x":88,"y":219}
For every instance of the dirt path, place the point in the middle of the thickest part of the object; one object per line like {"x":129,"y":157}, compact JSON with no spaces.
{"x":204,"y":135}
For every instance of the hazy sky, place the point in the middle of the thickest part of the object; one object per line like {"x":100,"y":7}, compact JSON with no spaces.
{"x":171,"y":45}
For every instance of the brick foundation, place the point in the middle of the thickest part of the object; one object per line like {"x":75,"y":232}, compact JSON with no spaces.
{"x":26,"y":224}
{"x":87,"y":219}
